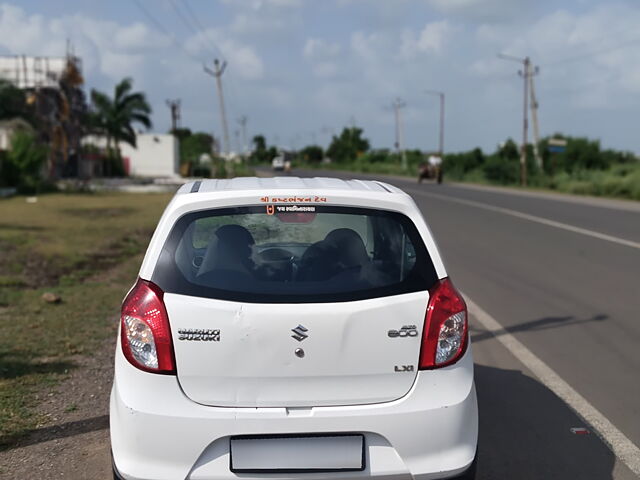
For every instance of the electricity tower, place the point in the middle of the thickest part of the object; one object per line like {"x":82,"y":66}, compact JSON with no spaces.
{"x":174,"y":106}
{"x":218,"y":70}
{"x":527,"y":73}
{"x":243,"y":124}
{"x":397,"y":105}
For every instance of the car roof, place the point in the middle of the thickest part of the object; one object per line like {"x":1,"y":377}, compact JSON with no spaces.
{"x":285,"y":183}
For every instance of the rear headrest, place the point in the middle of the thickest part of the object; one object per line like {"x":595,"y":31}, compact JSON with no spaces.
{"x":228,"y":249}
{"x":348,"y":245}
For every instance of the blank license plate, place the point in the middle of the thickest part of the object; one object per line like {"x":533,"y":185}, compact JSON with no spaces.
{"x":311,"y":453}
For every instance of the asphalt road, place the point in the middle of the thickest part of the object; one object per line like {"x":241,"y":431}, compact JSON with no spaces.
{"x":563,"y":278}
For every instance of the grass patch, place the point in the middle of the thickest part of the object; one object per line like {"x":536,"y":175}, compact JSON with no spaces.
{"x":86,"y":248}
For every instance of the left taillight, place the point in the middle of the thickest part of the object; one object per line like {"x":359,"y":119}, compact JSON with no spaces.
{"x":144,"y":331}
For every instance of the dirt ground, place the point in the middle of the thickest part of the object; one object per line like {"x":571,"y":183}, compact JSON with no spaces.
{"x":74,"y":442}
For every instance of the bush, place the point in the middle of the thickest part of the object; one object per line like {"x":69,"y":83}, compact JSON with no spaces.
{"x":203,"y":171}
{"x":375,"y":156}
{"x":312,"y":154}
{"x":220,"y":169}
{"x":501,"y":170}
{"x":23,"y":163}
{"x":242,"y":170}
{"x":456,"y":165}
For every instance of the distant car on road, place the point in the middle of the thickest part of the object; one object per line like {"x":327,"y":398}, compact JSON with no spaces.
{"x":278,"y":163}
{"x":293,"y":327}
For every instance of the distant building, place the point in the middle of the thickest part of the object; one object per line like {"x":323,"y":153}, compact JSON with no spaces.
{"x":155,"y":155}
{"x":27,"y":72}
{"x":53,"y":87}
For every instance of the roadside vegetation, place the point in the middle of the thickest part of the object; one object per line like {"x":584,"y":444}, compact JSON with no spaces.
{"x":583,"y":168}
{"x":66,"y":262}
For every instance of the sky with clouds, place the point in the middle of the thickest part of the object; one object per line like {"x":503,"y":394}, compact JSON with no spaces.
{"x":302,"y":69}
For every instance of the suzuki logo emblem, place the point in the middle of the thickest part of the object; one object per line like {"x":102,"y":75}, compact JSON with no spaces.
{"x":299,"y":333}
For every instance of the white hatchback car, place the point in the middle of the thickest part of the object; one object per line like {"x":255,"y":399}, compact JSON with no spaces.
{"x":289,"y":328}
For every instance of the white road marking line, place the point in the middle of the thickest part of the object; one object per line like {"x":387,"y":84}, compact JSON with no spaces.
{"x":621,"y":446}
{"x":532,"y":218}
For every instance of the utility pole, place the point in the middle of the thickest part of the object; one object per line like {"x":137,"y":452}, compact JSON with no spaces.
{"x":534,"y":121}
{"x":526,"y":73}
{"x":174,"y":106}
{"x":525,"y":123}
{"x":397,"y":105}
{"x":243,"y":124}
{"x":237,"y":135}
{"x":441,"y":139}
{"x":218,"y":70}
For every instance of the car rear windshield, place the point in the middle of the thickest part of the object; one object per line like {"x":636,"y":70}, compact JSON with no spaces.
{"x":294,"y":254}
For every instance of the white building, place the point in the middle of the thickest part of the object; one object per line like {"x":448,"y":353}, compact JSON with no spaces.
{"x":155,"y":155}
{"x":32,"y":72}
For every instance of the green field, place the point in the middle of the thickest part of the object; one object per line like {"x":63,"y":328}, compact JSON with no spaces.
{"x":86,"y":248}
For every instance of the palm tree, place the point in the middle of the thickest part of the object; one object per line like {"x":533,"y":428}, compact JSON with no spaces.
{"x":114,"y":118}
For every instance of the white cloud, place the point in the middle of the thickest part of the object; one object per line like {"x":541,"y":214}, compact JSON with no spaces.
{"x":105,"y":46}
{"x":369,"y":47}
{"x":318,"y":48}
{"x":325,"y":69}
{"x":587,"y":59}
{"x":431,"y":39}
{"x":487,"y":10}
{"x":322,"y":55}
{"x":575,"y":48}
{"x":252,"y":24}
{"x":260,"y":4}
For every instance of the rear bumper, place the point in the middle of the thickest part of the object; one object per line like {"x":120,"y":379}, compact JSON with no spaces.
{"x":158,"y":433}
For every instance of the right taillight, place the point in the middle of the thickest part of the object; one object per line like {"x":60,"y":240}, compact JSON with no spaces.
{"x":144,"y":331}
{"x":444,"y":339}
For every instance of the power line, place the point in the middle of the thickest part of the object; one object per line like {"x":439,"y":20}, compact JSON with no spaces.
{"x":163,"y":30}
{"x":151,"y":18}
{"x":201,"y":28}
{"x":190,"y":26}
{"x":231,"y":88}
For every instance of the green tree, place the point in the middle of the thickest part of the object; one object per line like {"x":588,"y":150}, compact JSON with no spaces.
{"x":114,"y":117}
{"x":13,"y":103}
{"x":24,"y":162}
{"x":348,"y":146}
{"x":181,"y":133}
{"x":261,"y":153}
{"x":312,"y":154}
{"x":194,"y":145}
{"x":509,"y":150}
